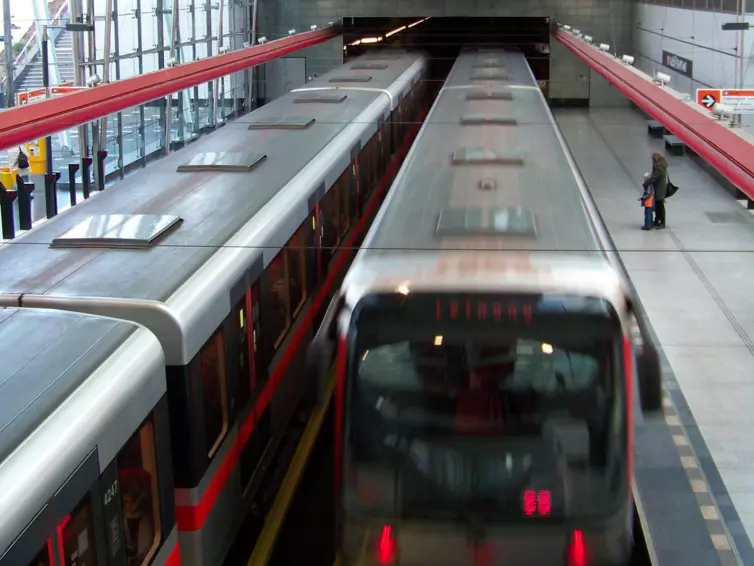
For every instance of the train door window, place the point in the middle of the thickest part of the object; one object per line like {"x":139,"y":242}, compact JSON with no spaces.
{"x":279,"y":308}
{"x":137,"y":475}
{"x":343,"y":187}
{"x":330,"y":231}
{"x":214,"y":389}
{"x":243,"y":333}
{"x":44,"y":557}
{"x":296,"y":256}
{"x":76,"y":535}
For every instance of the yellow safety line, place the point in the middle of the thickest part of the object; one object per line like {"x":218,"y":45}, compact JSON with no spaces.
{"x":275,"y":519}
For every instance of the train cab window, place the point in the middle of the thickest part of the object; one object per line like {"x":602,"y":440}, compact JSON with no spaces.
{"x":76,"y":534}
{"x":296,"y":257}
{"x":137,"y":475}
{"x":44,"y":556}
{"x":279,"y":309}
{"x":214,"y":388}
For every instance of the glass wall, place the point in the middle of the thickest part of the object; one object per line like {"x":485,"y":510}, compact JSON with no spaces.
{"x":145,"y":36}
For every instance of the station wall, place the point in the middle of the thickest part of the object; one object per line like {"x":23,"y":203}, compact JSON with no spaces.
{"x":695,"y":36}
{"x":569,"y":77}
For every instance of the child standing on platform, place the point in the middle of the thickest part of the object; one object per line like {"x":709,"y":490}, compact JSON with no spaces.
{"x":648,"y":202}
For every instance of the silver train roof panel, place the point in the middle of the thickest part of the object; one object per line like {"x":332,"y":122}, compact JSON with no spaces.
{"x":507,"y":157}
{"x":212,"y":205}
{"x":47,"y":355}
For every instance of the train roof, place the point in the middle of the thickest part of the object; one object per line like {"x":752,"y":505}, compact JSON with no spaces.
{"x":489,"y":170}
{"x":236,"y":172}
{"x":45,"y":356}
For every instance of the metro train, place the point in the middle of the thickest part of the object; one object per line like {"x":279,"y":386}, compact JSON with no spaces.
{"x":227,"y":251}
{"x":487,"y":348}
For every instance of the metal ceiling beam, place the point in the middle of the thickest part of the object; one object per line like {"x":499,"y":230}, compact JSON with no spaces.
{"x":20,"y":125}
{"x":708,"y":138}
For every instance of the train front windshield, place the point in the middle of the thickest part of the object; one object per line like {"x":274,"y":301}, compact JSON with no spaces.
{"x":484,"y":408}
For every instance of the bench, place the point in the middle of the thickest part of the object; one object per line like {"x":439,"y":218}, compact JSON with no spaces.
{"x":655,"y":129}
{"x":673,"y":145}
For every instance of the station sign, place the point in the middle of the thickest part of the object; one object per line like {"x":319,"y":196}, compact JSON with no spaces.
{"x":738,"y":101}
{"x":679,"y":64}
{"x":36,"y":94}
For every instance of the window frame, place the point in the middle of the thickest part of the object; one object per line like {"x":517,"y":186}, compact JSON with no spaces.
{"x":218,"y":341}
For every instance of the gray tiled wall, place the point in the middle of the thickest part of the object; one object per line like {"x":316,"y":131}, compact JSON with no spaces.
{"x":608,"y":21}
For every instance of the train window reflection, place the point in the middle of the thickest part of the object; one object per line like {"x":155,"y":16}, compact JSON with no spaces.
{"x":77,"y":536}
{"x":137,"y":475}
{"x":279,"y":311}
{"x":296,"y":251}
{"x":214,"y":391}
{"x":473,"y":421}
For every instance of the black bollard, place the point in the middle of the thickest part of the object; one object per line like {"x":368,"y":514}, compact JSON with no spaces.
{"x":6,"y":211}
{"x":72,"y":168}
{"x":101,"y":156}
{"x":86,"y":164}
{"x":51,"y":194}
{"x":25,"y":191}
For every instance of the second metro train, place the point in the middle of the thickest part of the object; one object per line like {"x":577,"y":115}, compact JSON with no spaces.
{"x":488,"y":348}
{"x":227,"y":253}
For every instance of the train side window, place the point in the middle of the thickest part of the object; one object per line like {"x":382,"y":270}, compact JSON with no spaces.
{"x":280,"y":307}
{"x":245,"y":371}
{"x":214,"y":389}
{"x":296,"y":256}
{"x":76,"y":535}
{"x":45,"y":556}
{"x":137,"y":475}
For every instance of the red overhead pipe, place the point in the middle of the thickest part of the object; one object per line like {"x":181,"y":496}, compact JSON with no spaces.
{"x":23,"y":124}
{"x":713,"y":142}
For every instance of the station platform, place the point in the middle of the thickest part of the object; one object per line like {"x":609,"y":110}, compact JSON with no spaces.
{"x":693,"y":281}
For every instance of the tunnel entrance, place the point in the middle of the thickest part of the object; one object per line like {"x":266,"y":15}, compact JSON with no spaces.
{"x":442,"y":39}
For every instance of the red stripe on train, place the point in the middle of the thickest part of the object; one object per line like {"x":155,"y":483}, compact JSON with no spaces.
{"x":174,"y":558}
{"x":192,"y":517}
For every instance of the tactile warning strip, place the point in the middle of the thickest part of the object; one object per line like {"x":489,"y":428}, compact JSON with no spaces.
{"x":721,"y":538}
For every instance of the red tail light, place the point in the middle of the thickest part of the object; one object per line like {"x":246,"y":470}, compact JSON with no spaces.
{"x":387,"y":547}
{"x":577,"y":549}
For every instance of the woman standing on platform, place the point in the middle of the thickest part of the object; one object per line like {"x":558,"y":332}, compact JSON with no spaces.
{"x":659,"y":179}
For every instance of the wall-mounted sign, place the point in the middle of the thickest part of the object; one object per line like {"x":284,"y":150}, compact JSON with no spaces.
{"x":738,"y":101}
{"x":680,"y":65}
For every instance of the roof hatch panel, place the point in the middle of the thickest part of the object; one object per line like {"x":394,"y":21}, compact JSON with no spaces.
{"x":490,"y":94}
{"x":127,"y":231}
{"x":325,"y":98}
{"x":484,"y":156}
{"x":286,"y":123}
{"x":369,"y":67}
{"x":490,"y":75}
{"x":487,"y":120}
{"x":503,"y":221}
{"x":351,"y":79}
{"x":223,"y":162}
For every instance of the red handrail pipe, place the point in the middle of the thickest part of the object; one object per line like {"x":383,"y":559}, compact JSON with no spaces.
{"x":24,"y":124}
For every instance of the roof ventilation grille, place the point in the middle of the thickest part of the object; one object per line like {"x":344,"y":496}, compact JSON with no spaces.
{"x":117,"y":231}
{"x":223,"y":162}
{"x":489,"y":95}
{"x":336,"y":98}
{"x":287,"y":123}
{"x":351,"y":79}
{"x":485,"y":120}
{"x":504,"y":221}
{"x":369,"y":67}
{"x":490,"y":75}
{"x":484,"y":156}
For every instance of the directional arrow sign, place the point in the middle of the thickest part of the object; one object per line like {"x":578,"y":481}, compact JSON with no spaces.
{"x":708,"y":97}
